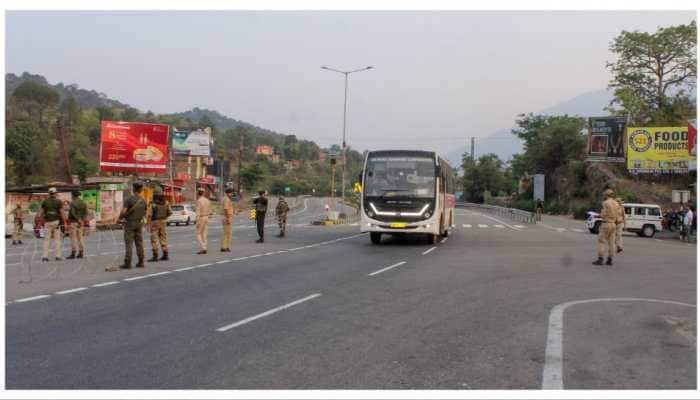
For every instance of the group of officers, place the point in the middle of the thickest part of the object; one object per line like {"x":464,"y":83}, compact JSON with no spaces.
{"x":134,"y":215}
{"x":611,"y":228}
{"x":156,"y":215}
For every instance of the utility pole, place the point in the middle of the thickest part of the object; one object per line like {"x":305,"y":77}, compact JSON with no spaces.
{"x":240,"y":160}
{"x":472,"y":149}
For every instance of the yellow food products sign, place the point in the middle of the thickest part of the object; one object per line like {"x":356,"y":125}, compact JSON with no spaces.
{"x":657,"y":150}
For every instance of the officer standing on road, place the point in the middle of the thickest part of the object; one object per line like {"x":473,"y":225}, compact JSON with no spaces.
{"x":260,"y":203}
{"x":227,"y":223}
{"x":19,"y":224}
{"x":52,"y":212}
{"x":132,"y":215}
{"x":203,"y":213}
{"x":76,"y":218}
{"x":619,"y":225}
{"x":606,"y":232}
{"x":160,"y":211}
{"x":281,"y":210}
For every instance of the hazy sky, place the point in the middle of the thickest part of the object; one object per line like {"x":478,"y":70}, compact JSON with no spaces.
{"x":438,"y":77}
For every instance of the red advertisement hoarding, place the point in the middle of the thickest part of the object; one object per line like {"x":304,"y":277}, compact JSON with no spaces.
{"x":133,"y":147}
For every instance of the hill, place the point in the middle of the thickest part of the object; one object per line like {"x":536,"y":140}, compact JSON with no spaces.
{"x":86,"y":98}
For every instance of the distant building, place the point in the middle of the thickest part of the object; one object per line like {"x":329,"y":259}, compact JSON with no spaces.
{"x":295,"y":163}
{"x":264,"y":150}
{"x":276,"y":158}
{"x":321,"y":156}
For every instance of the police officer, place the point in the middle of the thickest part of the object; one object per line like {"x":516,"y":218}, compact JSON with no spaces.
{"x":160,"y":211}
{"x":77,"y":212}
{"x":281,"y":210}
{"x":203,"y":213}
{"x":606,"y":232}
{"x":132,"y":214}
{"x":19,"y":224}
{"x":260,"y":204}
{"x":52,"y":212}
{"x":619,"y":225}
{"x":228,"y":221}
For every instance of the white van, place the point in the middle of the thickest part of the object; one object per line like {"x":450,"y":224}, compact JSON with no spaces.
{"x":643,"y":219}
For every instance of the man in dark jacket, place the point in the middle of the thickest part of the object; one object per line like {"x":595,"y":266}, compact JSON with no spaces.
{"x":260,"y":204}
{"x":132,"y":215}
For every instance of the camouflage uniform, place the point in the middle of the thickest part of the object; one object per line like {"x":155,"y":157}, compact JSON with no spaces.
{"x":281,"y":211}
{"x":160,"y":211}
{"x":76,"y":217}
{"x":133,"y":213}
{"x":52,"y":211}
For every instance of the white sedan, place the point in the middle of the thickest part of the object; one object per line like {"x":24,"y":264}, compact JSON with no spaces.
{"x":182,"y":214}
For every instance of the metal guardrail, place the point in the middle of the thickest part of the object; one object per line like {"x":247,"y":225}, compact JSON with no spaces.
{"x":512,"y":213}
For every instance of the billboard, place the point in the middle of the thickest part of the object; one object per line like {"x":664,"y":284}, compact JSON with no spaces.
{"x":607,"y":139}
{"x":692,"y":144}
{"x":538,"y":191}
{"x":133,"y":147}
{"x":192,"y":143}
{"x":658,"y":150}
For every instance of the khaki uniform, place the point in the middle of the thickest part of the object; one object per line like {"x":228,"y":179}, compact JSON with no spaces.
{"x":619,"y":225}
{"x":19,"y":224}
{"x":203,"y":213}
{"x":53,"y":217}
{"x":606,"y":232}
{"x":227,"y":223}
{"x":134,"y":211}
{"x":76,"y":217}
{"x":159,"y":216}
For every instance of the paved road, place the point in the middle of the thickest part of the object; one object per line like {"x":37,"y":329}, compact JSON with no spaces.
{"x":489,"y":308}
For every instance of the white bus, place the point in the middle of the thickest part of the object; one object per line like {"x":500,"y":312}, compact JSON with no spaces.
{"x":406,"y":192}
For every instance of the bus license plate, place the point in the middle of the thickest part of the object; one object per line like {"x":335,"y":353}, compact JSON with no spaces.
{"x":397,"y":225}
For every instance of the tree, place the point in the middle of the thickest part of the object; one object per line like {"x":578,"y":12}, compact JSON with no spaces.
{"x":483,"y":178}
{"x":35,"y":98}
{"x":252,"y":175}
{"x":550,"y":143}
{"x":654,"y":71}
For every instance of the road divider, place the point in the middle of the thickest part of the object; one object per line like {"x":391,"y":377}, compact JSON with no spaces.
{"x":429,"y":250}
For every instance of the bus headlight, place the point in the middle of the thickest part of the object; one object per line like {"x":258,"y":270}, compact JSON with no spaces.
{"x":370,"y":214}
{"x":426,"y":215}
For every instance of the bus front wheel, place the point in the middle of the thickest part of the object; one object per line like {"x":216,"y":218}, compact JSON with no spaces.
{"x":432,"y":239}
{"x":375,"y":237}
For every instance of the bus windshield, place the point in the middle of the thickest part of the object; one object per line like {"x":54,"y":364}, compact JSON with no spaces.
{"x":400,"y":176}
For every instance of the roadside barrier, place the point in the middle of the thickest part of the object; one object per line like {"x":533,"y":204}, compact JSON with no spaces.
{"x":512,"y":213}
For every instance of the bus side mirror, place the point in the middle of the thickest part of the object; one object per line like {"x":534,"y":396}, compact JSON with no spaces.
{"x":359,"y":178}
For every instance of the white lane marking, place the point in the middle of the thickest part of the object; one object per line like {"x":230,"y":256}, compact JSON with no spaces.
{"x":255,"y":256}
{"x":13,"y":264}
{"x":160,"y":273}
{"x":136,"y":278}
{"x":270,"y":253}
{"x":80,"y":289}
{"x":443,"y":240}
{"x":466,"y":226}
{"x":483,"y":226}
{"x":398,"y":264}
{"x":281,"y":251}
{"x":184,"y":269}
{"x":552,"y":373}
{"x":499,"y":226}
{"x":266,"y":313}
{"x":577,"y":230}
{"x":514,"y":227}
{"x":222,"y":262}
{"x":240,"y":258}
{"x":43,"y":296}
{"x":105,"y":284}
{"x":561,"y":229}
{"x":295,"y":249}
{"x":202,"y":265}
{"x":429,"y":250}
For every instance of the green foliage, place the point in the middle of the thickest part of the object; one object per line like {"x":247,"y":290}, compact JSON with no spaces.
{"x":653,"y":73}
{"x":27,"y":145}
{"x":484,"y":178}
{"x":556,"y":207}
{"x":35,"y":98}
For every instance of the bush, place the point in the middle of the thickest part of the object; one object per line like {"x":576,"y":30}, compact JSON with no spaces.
{"x":555,"y":207}
{"x":581,"y":212}
{"x":522,"y":204}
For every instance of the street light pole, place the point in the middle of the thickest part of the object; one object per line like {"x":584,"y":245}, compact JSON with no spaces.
{"x":345,"y":112}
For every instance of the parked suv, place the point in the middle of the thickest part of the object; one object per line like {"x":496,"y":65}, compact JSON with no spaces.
{"x":182,"y":214}
{"x":642,"y":219}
